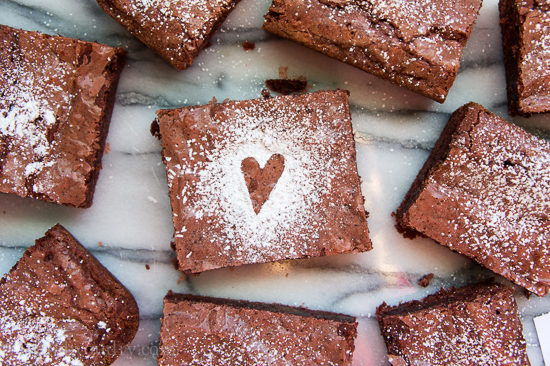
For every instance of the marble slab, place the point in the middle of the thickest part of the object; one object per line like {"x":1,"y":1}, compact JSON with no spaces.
{"x":129,"y":225}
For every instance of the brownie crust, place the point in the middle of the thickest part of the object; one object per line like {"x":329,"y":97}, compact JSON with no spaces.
{"x":525,"y":26}
{"x":298,"y":197}
{"x":177,"y":30}
{"x":55,"y":111}
{"x":413,"y":44}
{"x":473,"y":325}
{"x":59,"y":304}
{"x":209,"y":331}
{"x":483,"y":192}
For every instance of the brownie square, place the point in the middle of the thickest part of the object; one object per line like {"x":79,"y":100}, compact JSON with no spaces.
{"x":525,"y":26}
{"x":60,"y":306}
{"x":485,"y":192}
{"x":263,"y":180}
{"x":208,"y":331}
{"x":474,"y":325}
{"x":57,"y":98}
{"x":176,"y":30}
{"x":414,"y":44}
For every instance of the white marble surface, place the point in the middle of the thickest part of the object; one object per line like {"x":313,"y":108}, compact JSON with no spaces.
{"x":130,"y":217}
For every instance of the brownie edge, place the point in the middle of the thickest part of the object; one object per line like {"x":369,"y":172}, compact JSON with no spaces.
{"x":60,"y":305}
{"x":473,"y":325}
{"x":214,"y":331}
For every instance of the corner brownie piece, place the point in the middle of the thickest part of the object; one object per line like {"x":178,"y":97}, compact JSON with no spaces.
{"x":484,"y":192}
{"x":57,"y":98}
{"x":263,"y":180}
{"x":414,"y":44}
{"x":474,"y":325}
{"x":209,"y":331}
{"x":177,"y":30}
{"x":60,"y":306}
{"x":525,"y":26}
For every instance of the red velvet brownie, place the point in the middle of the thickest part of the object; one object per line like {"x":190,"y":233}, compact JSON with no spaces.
{"x":57,"y":97}
{"x":485,"y":192}
{"x":60,"y":306}
{"x":414,"y":44}
{"x":474,"y":325}
{"x":525,"y":28}
{"x":263,"y":180}
{"x":178,"y":30}
{"x":200,"y":330}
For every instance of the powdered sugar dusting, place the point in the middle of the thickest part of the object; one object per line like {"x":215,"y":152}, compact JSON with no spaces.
{"x":27,"y":121}
{"x":35,"y":340}
{"x":35,"y":96}
{"x":221,"y":189}
{"x":195,"y":16}
{"x":313,"y":206}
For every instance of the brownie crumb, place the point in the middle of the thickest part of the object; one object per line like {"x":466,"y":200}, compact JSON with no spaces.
{"x":266,"y":94}
{"x":286,"y":86}
{"x":182,"y":278}
{"x":147,"y":267}
{"x":424,"y":281}
{"x":155,"y":130}
{"x":249,"y":46}
{"x":100,"y":243}
{"x":107,"y":148}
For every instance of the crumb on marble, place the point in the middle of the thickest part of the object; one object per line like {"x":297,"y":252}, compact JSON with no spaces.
{"x":424,"y":281}
{"x":248,"y":46}
{"x":287,"y":86}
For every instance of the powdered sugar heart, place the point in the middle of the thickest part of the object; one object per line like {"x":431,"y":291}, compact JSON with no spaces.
{"x":261,"y":181}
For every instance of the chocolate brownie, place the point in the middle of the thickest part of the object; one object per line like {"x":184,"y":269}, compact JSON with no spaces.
{"x":484,"y":192}
{"x":414,"y":44}
{"x":176,"y":30}
{"x":208,"y":331}
{"x":60,"y":306}
{"x":525,"y":28}
{"x":57,"y":97}
{"x":263,"y":180}
{"x":473,"y":325}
